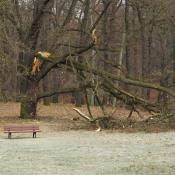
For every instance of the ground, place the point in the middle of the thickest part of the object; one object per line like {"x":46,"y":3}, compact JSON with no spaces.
{"x":88,"y":153}
{"x":61,"y":117}
{"x":68,"y":145}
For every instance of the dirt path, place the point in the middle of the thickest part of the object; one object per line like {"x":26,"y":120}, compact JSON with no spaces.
{"x":88,"y":153}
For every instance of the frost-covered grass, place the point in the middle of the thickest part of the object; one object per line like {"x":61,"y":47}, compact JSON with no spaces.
{"x":88,"y":153}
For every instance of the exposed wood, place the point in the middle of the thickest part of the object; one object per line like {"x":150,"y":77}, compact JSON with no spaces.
{"x":83,"y":115}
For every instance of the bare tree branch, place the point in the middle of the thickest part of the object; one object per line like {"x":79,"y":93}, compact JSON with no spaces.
{"x":31,"y":39}
{"x":63,"y":91}
{"x":129,"y":81}
{"x":70,"y":12}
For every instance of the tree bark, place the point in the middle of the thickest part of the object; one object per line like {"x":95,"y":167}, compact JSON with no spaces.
{"x":143,"y":48}
{"x":127,"y":52}
{"x":55,"y":86}
{"x":28,"y":86}
{"x":173,"y":54}
{"x":29,"y":101}
{"x":120,"y":63}
{"x":79,"y":95}
{"x":46,"y":87}
{"x":105,"y":44}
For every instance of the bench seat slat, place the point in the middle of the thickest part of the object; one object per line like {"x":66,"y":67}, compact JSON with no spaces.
{"x":27,"y":131}
{"x":21,"y":129}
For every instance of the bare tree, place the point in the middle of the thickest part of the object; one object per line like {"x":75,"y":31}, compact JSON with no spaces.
{"x":66,"y":30}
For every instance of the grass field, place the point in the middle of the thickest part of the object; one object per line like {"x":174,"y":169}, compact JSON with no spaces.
{"x":88,"y":153}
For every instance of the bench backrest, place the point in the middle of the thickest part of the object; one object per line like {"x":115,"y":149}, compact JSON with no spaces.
{"x":21,"y":128}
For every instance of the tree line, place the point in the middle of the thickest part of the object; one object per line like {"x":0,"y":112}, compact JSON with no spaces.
{"x":102,"y":52}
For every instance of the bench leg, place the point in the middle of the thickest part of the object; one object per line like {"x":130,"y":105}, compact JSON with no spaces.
{"x":9,"y":135}
{"x":34,"y":134}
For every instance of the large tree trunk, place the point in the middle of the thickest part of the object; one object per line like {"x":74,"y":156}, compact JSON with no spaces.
{"x":29,"y":101}
{"x":46,"y":88}
{"x":28,"y":108}
{"x":28,"y":86}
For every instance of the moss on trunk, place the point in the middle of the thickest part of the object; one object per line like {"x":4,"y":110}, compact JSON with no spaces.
{"x":29,"y":101}
{"x":28,"y":108}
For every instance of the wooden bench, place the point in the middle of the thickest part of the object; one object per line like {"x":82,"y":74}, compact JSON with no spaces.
{"x":21,"y":129}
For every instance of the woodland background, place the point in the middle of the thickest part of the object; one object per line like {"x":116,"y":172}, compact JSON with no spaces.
{"x":135,"y":38}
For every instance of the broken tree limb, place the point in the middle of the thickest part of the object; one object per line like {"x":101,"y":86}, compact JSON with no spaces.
{"x":129,"y":81}
{"x":61,"y":60}
{"x":108,"y":85}
{"x":101,"y":122}
{"x":129,"y":98}
{"x":83,"y":115}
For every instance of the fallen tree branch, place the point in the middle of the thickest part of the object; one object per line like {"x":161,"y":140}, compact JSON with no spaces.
{"x":101,"y":122}
{"x":129,"y":98}
{"x":105,"y":74}
{"x":83,"y":115}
